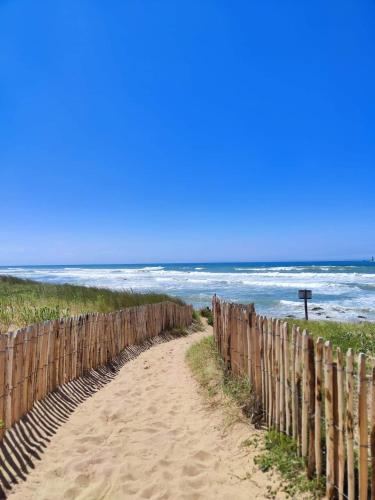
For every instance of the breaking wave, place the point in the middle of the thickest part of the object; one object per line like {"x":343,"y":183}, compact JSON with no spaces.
{"x":339,"y":291}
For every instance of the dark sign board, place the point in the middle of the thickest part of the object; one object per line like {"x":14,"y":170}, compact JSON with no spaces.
{"x":304,"y":294}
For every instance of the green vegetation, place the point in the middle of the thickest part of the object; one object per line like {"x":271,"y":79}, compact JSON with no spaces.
{"x":205,"y":363}
{"x":23,"y":302}
{"x":206,"y":312}
{"x":359,"y":336}
{"x":280,"y":451}
{"x":207,"y":367}
{"x":196,"y":316}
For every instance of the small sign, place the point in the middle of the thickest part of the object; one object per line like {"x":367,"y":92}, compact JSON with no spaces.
{"x":305,"y":295}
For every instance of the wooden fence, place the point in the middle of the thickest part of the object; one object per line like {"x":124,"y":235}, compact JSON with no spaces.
{"x":309,"y":391}
{"x":36,"y":360}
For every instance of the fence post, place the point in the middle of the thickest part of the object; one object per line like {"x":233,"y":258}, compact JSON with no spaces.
{"x":305,"y":393}
{"x":287,"y":378}
{"x":362,"y":424}
{"x":257,"y":346}
{"x":318,"y":405}
{"x":335,"y":425}
{"x":243,"y":342}
{"x":277,"y":374}
{"x":372,"y":447}
{"x":270,"y":371}
{"x":250,"y":359}
{"x":265,"y":369}
{"x":3,"y":376}
{"x":263,"y":385}
{"x":275,"y":408}
{"x":311,"y":407}
{"x":229,"y":339}
{"x":341,"y":442}
{"x":8,"y":380}
{"x":298,"y":388}
{"x":328,"y":399}
{"x":294,"y":383}
{"x":245,"y":348}
{"x":214,"y":315}
{"x":282,"y":378}
{"x":349,"y":423}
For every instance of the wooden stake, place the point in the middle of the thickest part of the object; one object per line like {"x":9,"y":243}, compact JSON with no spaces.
{"x":282,"y":379}
{"x":249,"y":354}
{"x":263,"y":362}
{"x":258,"y":374}
{"x":311,"y":408}
{"x":266,"y":369}
{"x":305,"y":394}
{"x":270,"y":371}
{"x":373,"y":431}
{"x":362,"y":424}
{"x":9,"y":380}
{"x":328,"y":399}
{"x":294,"y":385}
{"x":341,"y":434}
{"x":277,"y":375}
{"x":349,"y":423}
{"x":318,"y":404}
{"x":299,"y":388}
{"x":287,"y":379}
{"x":3,"y":375}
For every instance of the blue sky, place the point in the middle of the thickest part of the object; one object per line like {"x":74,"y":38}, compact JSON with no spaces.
{"x":144,"y":131}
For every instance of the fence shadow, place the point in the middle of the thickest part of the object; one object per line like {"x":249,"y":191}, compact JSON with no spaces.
{"x":23,"y":445}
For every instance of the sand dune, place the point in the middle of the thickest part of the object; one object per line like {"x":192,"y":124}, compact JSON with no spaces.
{"x":150,"y":435}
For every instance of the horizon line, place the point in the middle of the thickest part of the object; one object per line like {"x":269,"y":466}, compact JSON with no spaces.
{"x":192,"y":262}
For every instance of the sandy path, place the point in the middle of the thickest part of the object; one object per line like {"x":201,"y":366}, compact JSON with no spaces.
{"x":148,"y":434}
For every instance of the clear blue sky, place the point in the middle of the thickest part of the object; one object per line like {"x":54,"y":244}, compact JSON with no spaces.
{"x":141,"y":131}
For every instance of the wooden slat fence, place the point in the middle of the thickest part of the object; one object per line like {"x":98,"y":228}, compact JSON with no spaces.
{"x":306,"y":389}
{"x":36,"y":360}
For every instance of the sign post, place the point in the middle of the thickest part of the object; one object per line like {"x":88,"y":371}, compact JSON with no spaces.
{"x":305,"y":295}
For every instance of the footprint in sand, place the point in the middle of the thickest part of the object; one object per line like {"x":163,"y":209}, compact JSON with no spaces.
{"x":82,"y":480}
{"x":202,"y":456}
{"x":71,"y":493}
{"x":191,"y":470}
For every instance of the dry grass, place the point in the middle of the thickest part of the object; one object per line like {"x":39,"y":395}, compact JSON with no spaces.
{"x":23,"y":302}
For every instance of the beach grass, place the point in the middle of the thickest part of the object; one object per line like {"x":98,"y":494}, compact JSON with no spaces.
{"x":358,"y":336}
{"x":208,"y":368}
{"x":205,"y":363}
{"x":23,"y":302}
{"x":207,"y":313}
{"x":280,"y":452}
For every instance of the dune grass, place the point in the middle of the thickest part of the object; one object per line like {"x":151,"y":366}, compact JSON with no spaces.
{"x":280,"y":452}
{"x":207,"y":313}
{"x":359,"y":336}
{"x":23,"y":302}
{"x":204,"y":361}
{"x":208,"y":368}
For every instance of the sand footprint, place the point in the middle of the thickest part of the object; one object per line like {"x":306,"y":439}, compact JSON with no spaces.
{"x":191,"y":470}
{"x":202,"y":456}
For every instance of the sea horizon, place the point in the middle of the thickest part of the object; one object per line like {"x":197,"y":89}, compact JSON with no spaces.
{"x":154,"y":263}
{"x":343,"y":290}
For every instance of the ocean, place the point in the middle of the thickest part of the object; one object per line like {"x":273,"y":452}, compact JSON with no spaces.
{"x":343,"y":291}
